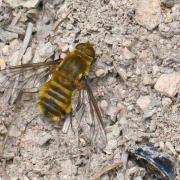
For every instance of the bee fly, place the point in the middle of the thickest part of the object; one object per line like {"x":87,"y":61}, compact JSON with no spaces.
{"x":69,"y":77}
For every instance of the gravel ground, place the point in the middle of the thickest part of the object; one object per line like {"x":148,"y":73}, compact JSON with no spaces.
{"x":135,"y":79}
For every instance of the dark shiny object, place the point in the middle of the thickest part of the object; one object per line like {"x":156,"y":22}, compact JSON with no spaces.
{"x":155,"y":162}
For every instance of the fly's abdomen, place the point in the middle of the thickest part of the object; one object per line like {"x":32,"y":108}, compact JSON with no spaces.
{"x":55,"y":96}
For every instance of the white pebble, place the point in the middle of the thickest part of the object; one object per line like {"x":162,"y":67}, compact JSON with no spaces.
{"x":127,"y":43}
{"x":63,"y":55}
{"x":104,"y":105}
{"x":138,"y":178}
{"x":168,"y":84}
{"x":64,"y":47}
{"x":2,"y":64}
{"x":128,"y":54}
{"x":3,"y":129}
{"x":166,"y":101}
{"x":14,"y":131}
{"x":170,"y":147}
{"x":161,"y":145}
{"x":100,"y":73}
{"x":5,"y":50}
{"x":143,"y":102}
{"x":147,"y":80}
{"x":178,"y":148}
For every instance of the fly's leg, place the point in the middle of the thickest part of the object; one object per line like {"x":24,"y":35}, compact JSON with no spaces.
{"x":71,"y":119}
{"x":68,"y":123}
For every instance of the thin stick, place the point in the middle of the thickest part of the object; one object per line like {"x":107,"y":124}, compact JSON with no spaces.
{"x":16,"y":19}
{"x":60,"y":21}
{"x":15,"y":29}
{"x":107,"y":169}
{"x":20,"y":55}
{"x":26,"y":41}
{"x":124,"y":159}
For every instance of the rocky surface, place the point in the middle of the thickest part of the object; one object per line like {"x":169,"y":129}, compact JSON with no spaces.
{"x":135,"y":80}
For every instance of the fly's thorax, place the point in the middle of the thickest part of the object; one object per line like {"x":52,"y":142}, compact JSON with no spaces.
{"x":87,"y":54}
{"x":85,"y":59}
{"x":75,"y":64}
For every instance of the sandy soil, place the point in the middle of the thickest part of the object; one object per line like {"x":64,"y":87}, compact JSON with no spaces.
{"x":135,"y":80}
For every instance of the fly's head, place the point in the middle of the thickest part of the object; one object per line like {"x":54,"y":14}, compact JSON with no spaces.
{"x":86,"y":49}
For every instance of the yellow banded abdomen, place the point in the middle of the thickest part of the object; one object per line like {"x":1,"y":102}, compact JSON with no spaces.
{"x":55,"y":97}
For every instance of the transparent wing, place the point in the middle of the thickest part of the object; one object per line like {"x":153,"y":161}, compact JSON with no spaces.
{"x":27,"y":77}
{"x":89,"y":117}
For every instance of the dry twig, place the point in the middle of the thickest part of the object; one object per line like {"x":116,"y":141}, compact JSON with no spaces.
{"x":16,"y":19}
{"x":26,"y":41}
{"x":107,"y":169}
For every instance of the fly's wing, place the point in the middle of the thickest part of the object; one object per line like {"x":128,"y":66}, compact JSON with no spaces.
{"x":89,"y":117}
{"x":27,"y":77}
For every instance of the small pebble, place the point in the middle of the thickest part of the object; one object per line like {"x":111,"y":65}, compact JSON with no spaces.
{"x":14,"y":131}
{"x":105,"y":177}
{"x":71,"y":48}
{"x":149,"y":113}
{"x":114,"y":134}
{"x":111,"y":145}
{"x":3,"y":129}
{"x":155,"y":69}
{"x":64,"y":47}
{"x":5,"y":50}
{"x":63,"y":55}
{"x":121,"y":72}
{"x":120,"y":176}
{"x":161,"y":145}
{"x":153,"y":126}
{"x":46,"y":50}
{"x":113,"y":111}
{"x":44,"y":138}
{"x":68,"y":167}
{"x":6,"y":36}
{"x":82,"y":142}
{"x":130,"y":107}
{"x":14,"y":178}
{"x":27,"y":56}
{"x":100,"y":73}
{"x":136,"y":171}
{"x":147,"y":80}
{"x":127,"y":43}
{"x":104,"y":105}
{"x":168,"y":84}
{"x":2,"y":64}
{"x":120,"y":106}
{"x":128,"y":54}
{"x":123,"y":121}
{"x":147,"y":13}
{"x":143,"y":102}
{"x":138,"y":71}
{"x":170,"y":147}
{"x":178,"y":148}
{"x":166,"y":101}
{"x":13,"y":59}
{"x":34,"y":178}
{"x":138,"y":178}
{"x":25,"y":178}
